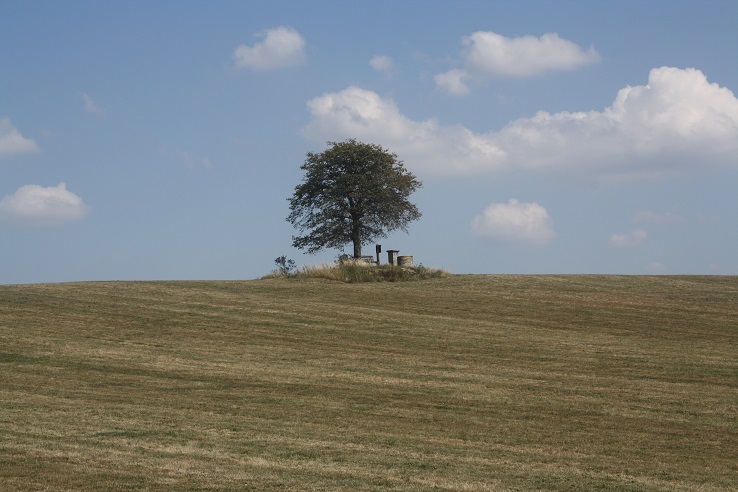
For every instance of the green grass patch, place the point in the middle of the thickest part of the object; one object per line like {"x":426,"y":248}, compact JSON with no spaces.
{"x":473,"y":383}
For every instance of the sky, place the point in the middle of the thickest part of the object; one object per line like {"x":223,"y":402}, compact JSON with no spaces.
{"x":162,"y":140}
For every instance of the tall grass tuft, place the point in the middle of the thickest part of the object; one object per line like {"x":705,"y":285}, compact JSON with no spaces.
{"x":356,"y":272}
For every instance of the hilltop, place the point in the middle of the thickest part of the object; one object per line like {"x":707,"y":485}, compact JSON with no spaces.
{"x":465,"y":382}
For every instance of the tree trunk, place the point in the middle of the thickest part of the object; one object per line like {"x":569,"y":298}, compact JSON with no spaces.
{"x":355,"y":229}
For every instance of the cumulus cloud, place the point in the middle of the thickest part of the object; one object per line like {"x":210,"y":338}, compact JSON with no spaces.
{"x":677,"y":121}
{"x":33,"y":204}
{"x":382,"y":63}
{"x":362,"y":114}
{"x":488,"y":55}
{"x":12,"y":142}
{"x":628,"y":239}
{"x":89,"y":104}
{"x":514,"y":221}
{"x":280,"y":47}
{"x":453,"y":82}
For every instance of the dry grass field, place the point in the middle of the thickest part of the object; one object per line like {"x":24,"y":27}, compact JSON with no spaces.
{"x":468,"y":383}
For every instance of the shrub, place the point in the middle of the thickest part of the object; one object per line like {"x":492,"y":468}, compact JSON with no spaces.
{"x":354,"y":272}
{"x":285,"y":267}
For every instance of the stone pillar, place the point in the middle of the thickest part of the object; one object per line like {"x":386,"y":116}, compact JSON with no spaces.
{"x":405,"y":261}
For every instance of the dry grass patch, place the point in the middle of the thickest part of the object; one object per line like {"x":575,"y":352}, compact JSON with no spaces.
{"x":351,"y":271}
{"x":460,"y":383}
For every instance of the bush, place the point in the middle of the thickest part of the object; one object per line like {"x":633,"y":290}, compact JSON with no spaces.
{"x":354,"y":272}
{"x":285,"y":267}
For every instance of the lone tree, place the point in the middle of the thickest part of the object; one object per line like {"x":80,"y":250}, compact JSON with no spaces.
{"x":351,"y":193}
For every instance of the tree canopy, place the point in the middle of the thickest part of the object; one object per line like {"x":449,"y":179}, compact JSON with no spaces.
{"x":352,"y":192}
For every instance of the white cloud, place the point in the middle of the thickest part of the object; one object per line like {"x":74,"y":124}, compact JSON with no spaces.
{"x":628,"y":239}
{"x":382,"y":63}
{"x":363,"y":114}
{"x":491,"y":54}
{"x":280,"y":47}
{"x":12,"y":142}
{"x":453,"y":82}
{"x":488,"y":55}
{"x":33,"y":204}
{"x":515,"y":221}
{"x":90,"y":105}
{"x":678,"y":121}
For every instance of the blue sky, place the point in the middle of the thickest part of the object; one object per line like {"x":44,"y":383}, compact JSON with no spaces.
{"x":161,"y":140}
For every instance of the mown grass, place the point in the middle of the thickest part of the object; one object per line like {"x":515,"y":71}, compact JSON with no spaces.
{"x":506,"y":383}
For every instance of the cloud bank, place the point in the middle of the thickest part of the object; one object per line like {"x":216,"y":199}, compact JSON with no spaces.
{"x":678,"y":121}
{"x":277,"y":48}
{"x":33,"y":204}
{"x":12,"y":142}
{"x":490,"y":55}
{"x":514,"y":221}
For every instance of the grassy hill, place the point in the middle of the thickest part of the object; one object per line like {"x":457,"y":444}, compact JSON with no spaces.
{"x":505,"y":383}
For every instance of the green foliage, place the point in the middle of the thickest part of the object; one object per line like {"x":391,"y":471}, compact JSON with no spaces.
{"x":285,"y":266}
{"x":351,"y":193}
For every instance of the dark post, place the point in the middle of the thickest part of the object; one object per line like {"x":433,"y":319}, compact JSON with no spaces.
{"x":379,"y":250}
